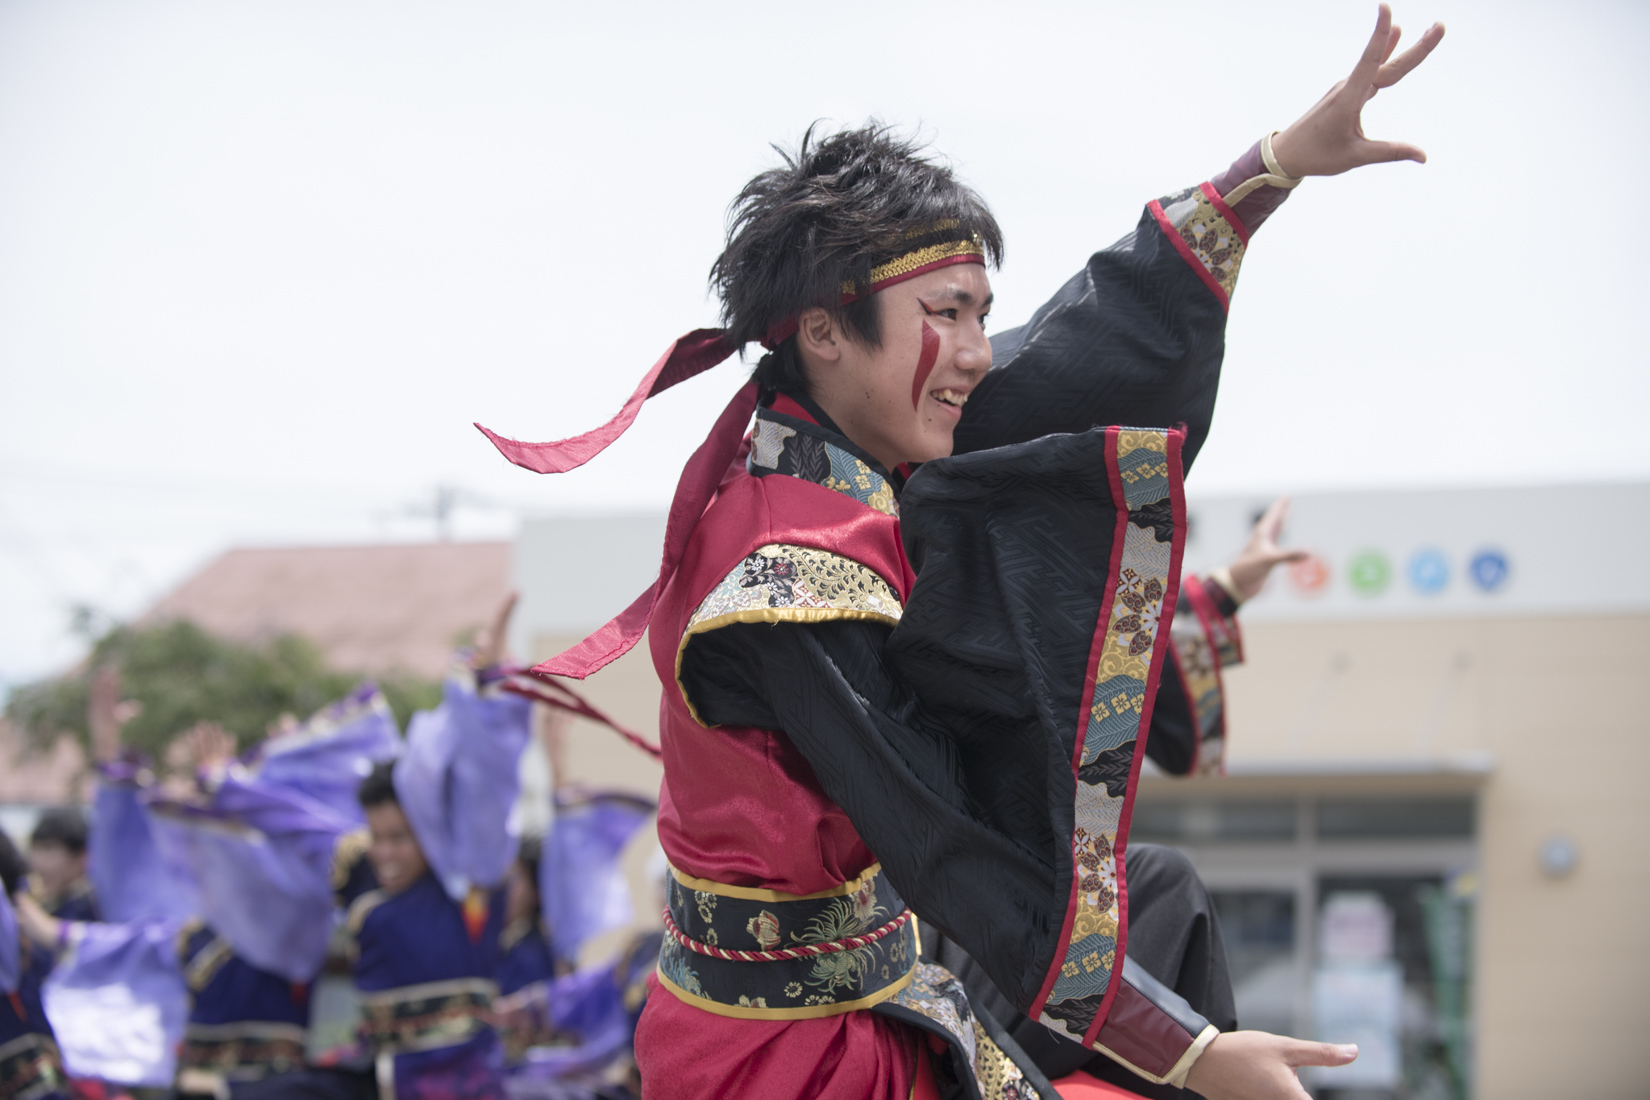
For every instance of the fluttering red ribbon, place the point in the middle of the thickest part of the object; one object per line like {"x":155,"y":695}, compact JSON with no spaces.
{"x":556,"y":694}
{"x":688,"y":356}
{"x":693,"y":354}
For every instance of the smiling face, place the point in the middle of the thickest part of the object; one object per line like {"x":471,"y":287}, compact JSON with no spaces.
{"x":900,"y":402}
{"x":395,"y":855}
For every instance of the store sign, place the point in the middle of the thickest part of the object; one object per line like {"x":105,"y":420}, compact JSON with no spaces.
{"x":1441,"y":552}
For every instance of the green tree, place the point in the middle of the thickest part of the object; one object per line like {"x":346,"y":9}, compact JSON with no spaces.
{"x":182,"y":675}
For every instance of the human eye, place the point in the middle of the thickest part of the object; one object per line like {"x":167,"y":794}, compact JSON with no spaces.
{"x":949,"y":314}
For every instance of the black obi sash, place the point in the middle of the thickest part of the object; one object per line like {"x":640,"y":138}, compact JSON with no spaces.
{"x":748,"y":953}
{"x":762,"y":955}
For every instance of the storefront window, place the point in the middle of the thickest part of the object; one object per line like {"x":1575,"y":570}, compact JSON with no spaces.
{"x":1346,"y":919}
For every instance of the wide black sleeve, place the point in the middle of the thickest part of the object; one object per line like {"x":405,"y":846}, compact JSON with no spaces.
{"x":1138,"y":335}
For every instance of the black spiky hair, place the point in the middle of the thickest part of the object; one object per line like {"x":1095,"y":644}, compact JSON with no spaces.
{"x":832,"y":210}
{"x":378,"y":788}
{"x":64,"y":826}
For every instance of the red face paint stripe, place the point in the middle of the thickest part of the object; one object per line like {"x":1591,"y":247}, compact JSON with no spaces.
{"x":925,"y":365}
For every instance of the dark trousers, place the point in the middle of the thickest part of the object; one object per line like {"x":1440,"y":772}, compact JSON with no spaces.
{"x":1173,"y":933}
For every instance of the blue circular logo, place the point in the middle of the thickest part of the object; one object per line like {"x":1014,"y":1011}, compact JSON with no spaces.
{"x":1429,"y":571}
{"x":1489,"y":570}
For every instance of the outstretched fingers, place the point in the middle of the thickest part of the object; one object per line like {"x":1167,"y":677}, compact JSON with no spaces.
{"x":1390,"y":72}
{"x":1379,"y":49}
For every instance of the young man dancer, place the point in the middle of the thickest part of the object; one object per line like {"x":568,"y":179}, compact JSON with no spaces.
{"x":888,"y":686}
{"x":426,"y":940}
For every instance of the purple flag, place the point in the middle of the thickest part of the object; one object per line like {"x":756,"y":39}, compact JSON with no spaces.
{"x":457,"y":783}
{"x":327,"y":757}
{"x":118,"y":1002}
{"x":263,"y":857}
{"x":580,"y":881}
{"x":134,"y":877}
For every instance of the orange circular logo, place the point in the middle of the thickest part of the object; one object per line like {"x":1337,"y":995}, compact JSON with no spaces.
{"x":1310,"y":575}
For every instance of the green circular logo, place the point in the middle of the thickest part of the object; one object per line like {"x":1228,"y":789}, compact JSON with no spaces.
{"x":1368,"y":573}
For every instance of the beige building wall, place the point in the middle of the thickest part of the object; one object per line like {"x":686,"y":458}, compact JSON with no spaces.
{"x":1562,"y":979}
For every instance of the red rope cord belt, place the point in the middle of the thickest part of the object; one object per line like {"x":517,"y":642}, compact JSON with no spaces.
{"x":803,"y":951}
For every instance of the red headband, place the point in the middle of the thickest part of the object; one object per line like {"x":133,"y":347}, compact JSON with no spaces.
{"x":920,"y":262}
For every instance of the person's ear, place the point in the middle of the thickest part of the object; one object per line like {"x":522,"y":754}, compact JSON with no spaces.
{"x":818,"y":336}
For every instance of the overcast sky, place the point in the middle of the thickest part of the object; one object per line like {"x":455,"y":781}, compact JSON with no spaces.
{"x":261,"y":264}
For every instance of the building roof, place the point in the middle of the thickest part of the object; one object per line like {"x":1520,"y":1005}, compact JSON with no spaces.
{"x":373,"y":609}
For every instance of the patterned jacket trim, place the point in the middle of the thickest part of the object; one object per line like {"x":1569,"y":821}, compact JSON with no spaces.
{"x":755,"y":893}
{"x":516,"y":931}
{"x":790,"y":447}
{"x":786,"y":583}
{"x":1225,"y":633}
{"x":1208,"y":236}
{"x":977,"y":1048}
{"x":1195,"y":657}
{"x":200,"y":970}
{"x":360,"y":908}
{"x":350,"y":850}
{"x":1125,"y":663}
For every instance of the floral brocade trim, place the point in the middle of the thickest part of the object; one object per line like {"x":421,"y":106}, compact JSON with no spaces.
{"x":783,"y":583}
{"x":936,"y":1002}
{"x":787,"y":989}
{"x":1141,"y":463}
{"x":1200,"y":675}
{"x":243,"y":1051}
{"x":31,"y":1068}
{"x":780,"y":449}
{"x":1207,"y":234}
{"x":427,"y":1016}
{"x":1224,"y":633}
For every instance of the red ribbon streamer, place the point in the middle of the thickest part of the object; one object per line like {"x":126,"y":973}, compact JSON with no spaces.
{"x":693,"y":354}
{"x":556,"y":694}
